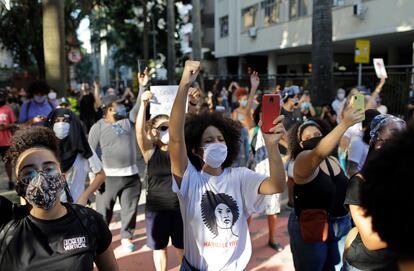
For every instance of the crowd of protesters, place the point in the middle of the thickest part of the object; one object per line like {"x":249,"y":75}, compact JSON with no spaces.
{"x":209,"y":168}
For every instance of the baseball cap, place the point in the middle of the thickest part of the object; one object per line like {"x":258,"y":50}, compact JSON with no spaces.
{"x":290,"y":91}
{"x":63,"y":101}
{"x":108,"y":100}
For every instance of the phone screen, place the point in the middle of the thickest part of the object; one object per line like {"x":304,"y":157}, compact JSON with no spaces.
{"x":142,"y":64}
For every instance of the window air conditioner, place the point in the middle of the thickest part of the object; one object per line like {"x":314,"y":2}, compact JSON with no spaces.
{"x":359,"y":10}
{"x":252,"y":32}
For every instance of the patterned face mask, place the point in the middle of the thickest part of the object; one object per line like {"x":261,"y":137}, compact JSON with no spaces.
{"x":42,"y":190}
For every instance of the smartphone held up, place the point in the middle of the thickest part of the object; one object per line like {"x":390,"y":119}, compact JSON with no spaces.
{"x":358,"y":102}
{"x":270,"y":111}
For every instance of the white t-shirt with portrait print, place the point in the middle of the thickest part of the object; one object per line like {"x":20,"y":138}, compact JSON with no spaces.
{"x":215,"y":211}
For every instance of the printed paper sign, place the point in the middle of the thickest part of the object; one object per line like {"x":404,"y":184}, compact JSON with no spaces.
{"x":380,"y":68}
{"x":162,"y":100}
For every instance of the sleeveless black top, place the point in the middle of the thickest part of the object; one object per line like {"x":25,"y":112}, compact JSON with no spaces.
{"x":160,"y":196}
{"x":323,"y":192}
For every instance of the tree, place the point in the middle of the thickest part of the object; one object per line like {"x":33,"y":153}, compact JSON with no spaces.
{"x":21,"y":33}
{"x":322,"y":52}
{"x":54,"y":44}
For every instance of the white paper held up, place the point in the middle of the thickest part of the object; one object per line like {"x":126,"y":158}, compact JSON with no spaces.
{"x":162,"y":99}
{"x":380,"y":68}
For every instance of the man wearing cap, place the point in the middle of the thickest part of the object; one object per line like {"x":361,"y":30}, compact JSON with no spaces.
{"x":290,"y":108}
{"x":114,"y":137}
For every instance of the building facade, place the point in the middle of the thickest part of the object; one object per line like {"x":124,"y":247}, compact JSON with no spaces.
{"x":276,"y":35}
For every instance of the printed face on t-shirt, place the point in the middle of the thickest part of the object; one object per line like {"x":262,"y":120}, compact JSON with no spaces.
{"x":224,"y":216}
{"x":219,"y":211}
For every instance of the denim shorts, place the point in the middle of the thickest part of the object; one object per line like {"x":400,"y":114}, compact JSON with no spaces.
{"x":319,"y":256}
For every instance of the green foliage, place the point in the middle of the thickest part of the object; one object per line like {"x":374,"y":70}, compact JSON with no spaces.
{"x":123,"y":21}
{"x":21,"y":33}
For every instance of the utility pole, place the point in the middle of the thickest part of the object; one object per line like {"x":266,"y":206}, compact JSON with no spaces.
{"x":171,"y":42}
{"x":196,"y":36}
{"x":145,"y":33}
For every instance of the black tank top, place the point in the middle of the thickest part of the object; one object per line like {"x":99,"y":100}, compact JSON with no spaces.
{"x":160,"y":196}
{"x":323,"y":192}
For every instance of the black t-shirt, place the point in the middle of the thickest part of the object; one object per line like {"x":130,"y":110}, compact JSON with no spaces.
{"x":379,"y":260}
{"x":87,"y":107}
{"x":160,"y":196}
{"x":358,"y":255}
{"x":291,"y":117}
{"x":353,"y":191}
{"x":60,"y":244}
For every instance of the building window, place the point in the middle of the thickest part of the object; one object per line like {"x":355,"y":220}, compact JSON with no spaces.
{"x":249,"y":17}
{"x":224,"y":26}
{"x":337,"y":3}
{"x":298,"y":8}
{"x":271,"y":11}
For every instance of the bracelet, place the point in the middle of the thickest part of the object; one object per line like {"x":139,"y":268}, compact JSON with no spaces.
{"x":193,"y":104}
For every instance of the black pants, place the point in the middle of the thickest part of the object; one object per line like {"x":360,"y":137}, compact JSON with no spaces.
{"x":128,"y":189}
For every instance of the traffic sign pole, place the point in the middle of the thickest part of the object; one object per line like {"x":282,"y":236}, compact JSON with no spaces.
{"x":360,"y":74}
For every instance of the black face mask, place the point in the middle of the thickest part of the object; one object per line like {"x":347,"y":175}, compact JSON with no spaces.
{"x":310,"y":144}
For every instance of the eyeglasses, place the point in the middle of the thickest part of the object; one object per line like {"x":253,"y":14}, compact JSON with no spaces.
{"x":162,"y":128}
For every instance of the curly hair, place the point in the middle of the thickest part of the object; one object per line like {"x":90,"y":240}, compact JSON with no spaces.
{"x":209,"y":202}
{"x":31,"y":138}
{"x":196,"y":125}
{"x":38,"y":86}
{"x":150,"y":123}
{"x":295,"y":133}
{"x":387,"y":191}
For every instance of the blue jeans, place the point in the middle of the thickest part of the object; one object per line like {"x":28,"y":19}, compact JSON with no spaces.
{"x":244,"y":149}
{"x":319,"y":256}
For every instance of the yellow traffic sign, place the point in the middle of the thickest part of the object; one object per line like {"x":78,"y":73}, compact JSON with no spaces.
{"x":362,"y":50}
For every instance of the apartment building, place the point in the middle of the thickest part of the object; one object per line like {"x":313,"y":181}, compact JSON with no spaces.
{"x":276,"y":35}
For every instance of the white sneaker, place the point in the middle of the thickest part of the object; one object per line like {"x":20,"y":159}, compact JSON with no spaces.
{"x":127,"y":245}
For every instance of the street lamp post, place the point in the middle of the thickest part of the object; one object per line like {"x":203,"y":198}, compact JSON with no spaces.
{"x":153,"y":33}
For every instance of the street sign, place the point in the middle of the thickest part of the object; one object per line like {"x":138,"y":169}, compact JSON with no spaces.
{"x":74,"y":55}
{"x":362,"y":49}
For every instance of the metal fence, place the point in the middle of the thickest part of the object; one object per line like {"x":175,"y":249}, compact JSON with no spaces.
{"x":395,"y":93}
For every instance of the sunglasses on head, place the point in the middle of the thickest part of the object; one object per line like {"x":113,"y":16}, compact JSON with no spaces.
{"x":162,"y":128}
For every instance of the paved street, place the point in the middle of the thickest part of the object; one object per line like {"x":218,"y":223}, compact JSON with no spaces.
{"x":263,"y":257}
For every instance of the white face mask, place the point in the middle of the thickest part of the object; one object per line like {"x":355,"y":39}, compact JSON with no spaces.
{"x":215,"y":154}
{"x":52,"y":95}
{"x":164,"y":137}
{"x":61,"y":129}
{"x":341,"y":96}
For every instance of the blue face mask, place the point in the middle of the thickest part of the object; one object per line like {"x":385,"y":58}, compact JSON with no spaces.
{"x":243,"y":103}
{"x":39,"y":98}
{"x":120,"y":112}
